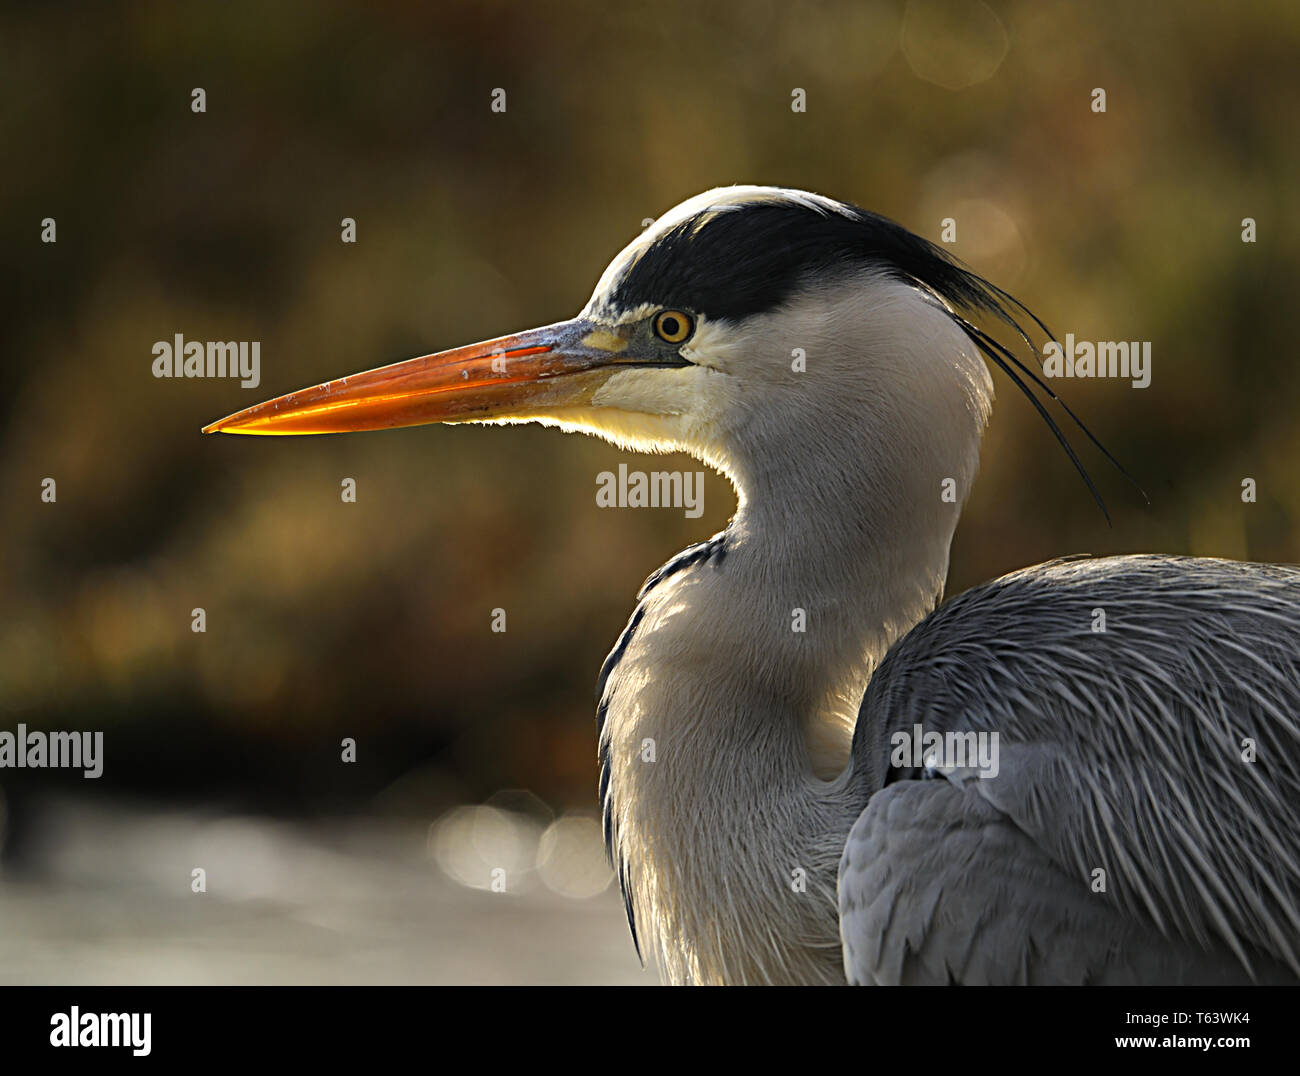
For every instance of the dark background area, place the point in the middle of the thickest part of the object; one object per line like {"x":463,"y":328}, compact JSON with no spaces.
{"x":372,"y":620}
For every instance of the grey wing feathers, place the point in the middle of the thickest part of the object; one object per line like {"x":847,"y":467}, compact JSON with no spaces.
{"x":1148,"y":717}
{"x":938,"y":887}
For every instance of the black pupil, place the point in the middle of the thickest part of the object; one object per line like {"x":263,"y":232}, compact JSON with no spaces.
{"x":669,"y":326}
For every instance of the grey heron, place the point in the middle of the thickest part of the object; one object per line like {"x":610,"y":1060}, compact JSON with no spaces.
{"x":1142,"y":822}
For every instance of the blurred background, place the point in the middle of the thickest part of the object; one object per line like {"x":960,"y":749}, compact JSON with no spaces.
{"x":372,"y":620}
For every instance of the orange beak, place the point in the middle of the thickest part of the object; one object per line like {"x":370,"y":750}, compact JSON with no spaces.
{"x":520,"y":376}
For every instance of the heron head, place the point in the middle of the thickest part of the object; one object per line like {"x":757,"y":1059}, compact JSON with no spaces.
{"x":742,"y":313}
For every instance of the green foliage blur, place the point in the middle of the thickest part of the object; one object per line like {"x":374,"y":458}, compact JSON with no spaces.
{"x":372,"y":620}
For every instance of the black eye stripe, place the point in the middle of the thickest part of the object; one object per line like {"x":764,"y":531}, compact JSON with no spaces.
{"x":728,"y":266}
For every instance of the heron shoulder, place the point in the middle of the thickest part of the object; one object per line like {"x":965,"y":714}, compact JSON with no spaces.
{"x":1088,"y":631}
{"x":1126,"y":694}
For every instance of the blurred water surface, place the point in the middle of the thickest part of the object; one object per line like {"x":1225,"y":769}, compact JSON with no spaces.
{"x":104,"y":897}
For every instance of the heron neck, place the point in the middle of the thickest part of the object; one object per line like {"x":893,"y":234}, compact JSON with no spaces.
{"x":729,"y":721}
{"x":844,"y":563}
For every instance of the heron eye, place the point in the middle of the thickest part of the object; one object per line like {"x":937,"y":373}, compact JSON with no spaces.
{"x":673,"y":326}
